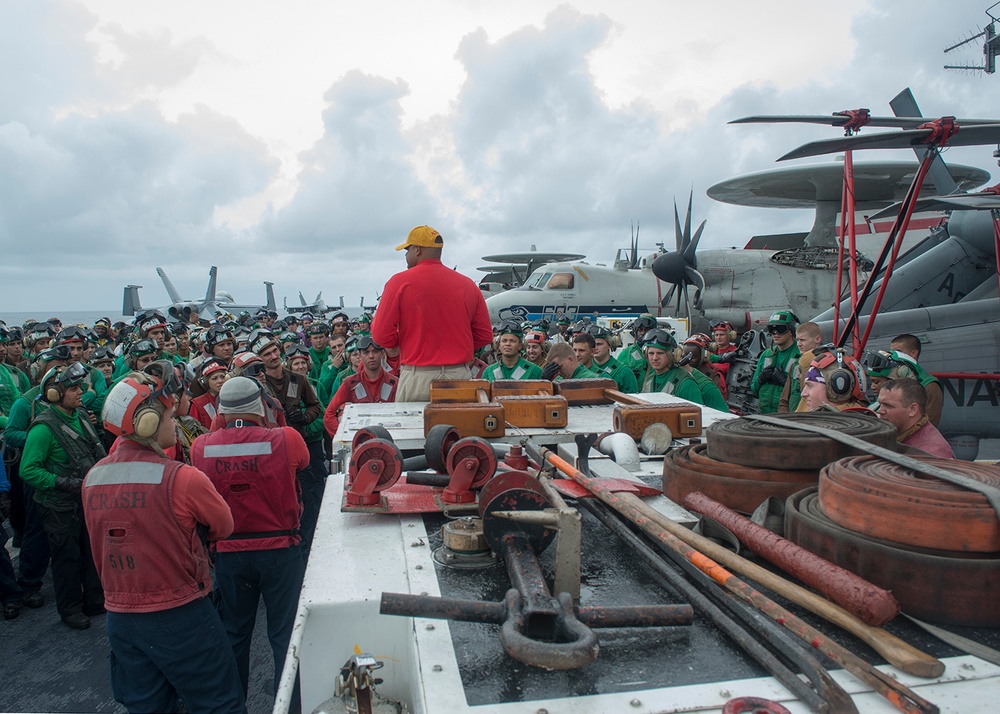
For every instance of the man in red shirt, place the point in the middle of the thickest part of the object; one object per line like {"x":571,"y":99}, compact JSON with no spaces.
{"x":903,"y":403}
{"x":432,"y":316}
{"x":369,"y":385}
{"x":145,"y":514}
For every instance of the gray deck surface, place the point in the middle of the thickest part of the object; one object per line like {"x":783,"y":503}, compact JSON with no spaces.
{"x":50,"y":668}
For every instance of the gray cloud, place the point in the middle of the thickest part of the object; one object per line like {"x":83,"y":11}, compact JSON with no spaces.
{"x":93,"y":178}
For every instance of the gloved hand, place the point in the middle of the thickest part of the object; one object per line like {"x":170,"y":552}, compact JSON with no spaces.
{"x":67,"y":484}
{"x":550,"y":371}
{"x":779,"y":377}
{"x":767,"y":376}
{"x":726,"y":357}
{"x":295,"y":416}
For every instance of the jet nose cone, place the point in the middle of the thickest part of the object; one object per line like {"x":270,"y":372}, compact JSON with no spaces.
{"x":669,"y":267}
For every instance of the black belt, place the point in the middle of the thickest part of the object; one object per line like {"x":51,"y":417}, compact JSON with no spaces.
{"x":263,"y":534}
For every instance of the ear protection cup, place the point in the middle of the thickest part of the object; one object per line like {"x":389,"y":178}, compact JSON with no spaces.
{"x":147,"y":422}
{"x":677,"y":353}
{"x":53,"y":395}
{"x":840,"y":383}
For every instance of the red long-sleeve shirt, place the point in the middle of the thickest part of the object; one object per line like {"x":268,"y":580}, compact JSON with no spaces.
{"x":433,"y":314}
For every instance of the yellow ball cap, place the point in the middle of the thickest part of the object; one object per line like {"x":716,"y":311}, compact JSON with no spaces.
{"x":423,"y":236}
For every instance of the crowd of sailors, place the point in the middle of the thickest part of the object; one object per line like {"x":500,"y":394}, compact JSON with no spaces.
{"x":113,"y":388}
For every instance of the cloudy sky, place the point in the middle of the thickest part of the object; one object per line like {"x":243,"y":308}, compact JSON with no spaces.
{"x":298,"y":142}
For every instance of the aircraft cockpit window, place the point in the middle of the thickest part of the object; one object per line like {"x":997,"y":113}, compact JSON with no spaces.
{"x":538,"y":280}
{"x":561,"y":281}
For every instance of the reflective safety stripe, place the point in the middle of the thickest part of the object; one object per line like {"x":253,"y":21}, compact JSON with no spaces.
{"x":518,"y":373}
{"x":210,"y":410}
{"x":252,"y":448}
{"x":125,"y":472}
{"x":359,"y":391}
{"x":386,"y":391}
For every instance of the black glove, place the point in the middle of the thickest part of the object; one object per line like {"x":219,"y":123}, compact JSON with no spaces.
{"x":779,"y":377}
{"x":295,"y":416}
{"x":726,"y":357}
{"x":550,"y":371}
{"x":767,"y":376}
{"x":68,"y":484}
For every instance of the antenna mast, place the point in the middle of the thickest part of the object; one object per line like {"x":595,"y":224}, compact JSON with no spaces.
{"x":991,"y":46}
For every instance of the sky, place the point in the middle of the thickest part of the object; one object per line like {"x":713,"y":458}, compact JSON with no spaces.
{"x":299,"y":142}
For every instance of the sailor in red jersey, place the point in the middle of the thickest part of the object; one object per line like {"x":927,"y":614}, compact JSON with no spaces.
{"x":254,"y":468}
{"x":371,"y":384}
{"x":433,"y":316}
{"x":211,"y":376}
{"x":145,"y":514}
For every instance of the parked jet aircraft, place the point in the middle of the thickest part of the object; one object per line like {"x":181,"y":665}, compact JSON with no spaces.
{"x":194,"y":309}
{"x":316,"y":307}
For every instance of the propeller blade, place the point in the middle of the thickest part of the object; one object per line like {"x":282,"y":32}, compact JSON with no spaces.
{"x":687,"y":222}
{"x":907,"y":139}
{"x":690,"y":253}
{"x":665,"y":302}
{"x":693,"y":277}
{"x":687,"y":302}
{"x":678,"y":235}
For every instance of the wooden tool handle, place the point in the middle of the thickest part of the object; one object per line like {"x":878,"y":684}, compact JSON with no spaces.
{"x":897,"y":652}
{"x":622,"y":398}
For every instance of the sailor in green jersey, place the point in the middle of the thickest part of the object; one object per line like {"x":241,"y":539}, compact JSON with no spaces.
{"x":60,"y":448}
{"x":605,"y":365}
{"x":9,"y":389}
{"x":563,"y":364}
{"x":908,"y":346}
{"x":511,"y":365}
{"x":14,"y":358}
{"x":95,"y":386}
{"x":695,"y":361}
{"x":299,"y":361}
{"x":336,"y":361}
{"x":536,"y":348}
{"x":776,"y":364}
{"x":351,"y":367}
{"x":319,"y":348}
{"x":364,"y":325}
{"x":664,"y":374}
{"x":633,"y":357}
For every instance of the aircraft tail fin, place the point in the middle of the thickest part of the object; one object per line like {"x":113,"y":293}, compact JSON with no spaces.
{"x":341,"y":306}
{"x":130,"y":300}
{"x":319,"y":297}
{"x":302,"y":299}
{"x":269,"y":290}
{"x":171,"y":290}
{"x":905,"y":105}
{"x":213,"y":277}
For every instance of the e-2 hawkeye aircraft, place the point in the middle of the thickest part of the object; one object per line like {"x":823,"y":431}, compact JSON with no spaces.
{"x":192,"y":310}
{"x":744,"y":286}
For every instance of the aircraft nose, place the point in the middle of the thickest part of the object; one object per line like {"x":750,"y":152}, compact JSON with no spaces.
{"x":669,"y":267}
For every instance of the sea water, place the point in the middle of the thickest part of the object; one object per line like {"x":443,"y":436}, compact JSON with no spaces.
{"x":86,"y":318}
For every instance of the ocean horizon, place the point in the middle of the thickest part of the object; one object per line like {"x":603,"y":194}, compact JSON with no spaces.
{"x":86,"y":318}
